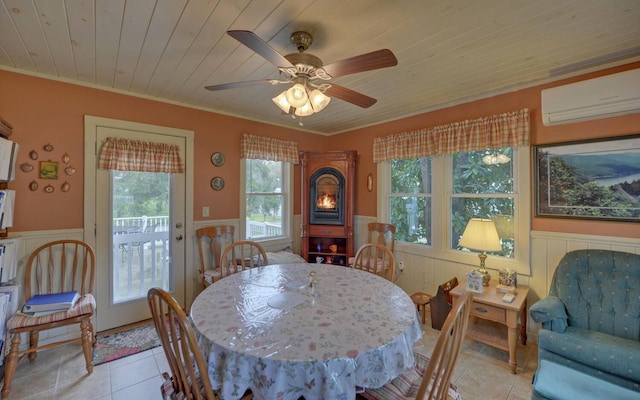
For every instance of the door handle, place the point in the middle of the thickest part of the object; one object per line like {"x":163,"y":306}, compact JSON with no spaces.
{"x":179,"y":238}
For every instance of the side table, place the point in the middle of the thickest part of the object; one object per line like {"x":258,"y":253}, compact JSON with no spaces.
{"x":488,"y":306}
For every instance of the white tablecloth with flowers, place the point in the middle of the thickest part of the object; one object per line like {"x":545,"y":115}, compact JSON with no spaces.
{"x":263,"y":330}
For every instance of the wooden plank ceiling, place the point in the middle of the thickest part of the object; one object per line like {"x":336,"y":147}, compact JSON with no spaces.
{"x":449,"y":52}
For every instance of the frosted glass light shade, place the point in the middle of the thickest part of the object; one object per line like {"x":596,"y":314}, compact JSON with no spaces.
{"x":281,"y":102}
{"x":297,"y":95}
{"x":319,"y":100}
{"x":305,"y":110}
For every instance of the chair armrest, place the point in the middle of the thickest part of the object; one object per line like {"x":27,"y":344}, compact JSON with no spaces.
{"x":551,"y":312}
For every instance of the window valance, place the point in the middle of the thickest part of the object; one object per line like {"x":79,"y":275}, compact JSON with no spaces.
{"x":264,"y":148}
{"x":136,"y":155}
{"x":496,"y":131}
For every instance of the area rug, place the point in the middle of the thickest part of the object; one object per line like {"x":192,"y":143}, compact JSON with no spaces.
{"x":122,"y":344}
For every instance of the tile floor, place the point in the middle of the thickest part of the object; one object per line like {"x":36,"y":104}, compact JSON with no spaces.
{"x":481,"y":372}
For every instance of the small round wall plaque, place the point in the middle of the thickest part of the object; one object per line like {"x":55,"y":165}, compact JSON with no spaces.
{"x":217,"y":183}
{"x":217,"y":159}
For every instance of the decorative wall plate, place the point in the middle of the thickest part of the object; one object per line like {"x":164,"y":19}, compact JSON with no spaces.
{"x":70,"y":171}
{"x":217,"y":183}
{"x":26,"y":167}
{"x":33,"y":186}
{"x":66,"y":186}
{"x":33,"y":155}
{"x":49,"y":189}
{"x":47,"y":147}
{"x":217,"y":159}
{"x":370,"y":182}
{"x":66,"y":158}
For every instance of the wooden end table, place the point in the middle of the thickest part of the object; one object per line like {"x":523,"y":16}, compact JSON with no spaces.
{"x":488,"y":306}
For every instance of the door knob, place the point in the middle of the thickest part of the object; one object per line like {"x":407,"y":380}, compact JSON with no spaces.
{"x":179,"y":225}
{"x":179,"y":238}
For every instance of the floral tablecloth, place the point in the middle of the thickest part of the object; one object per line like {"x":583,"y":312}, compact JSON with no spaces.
{"x":263,"y":329}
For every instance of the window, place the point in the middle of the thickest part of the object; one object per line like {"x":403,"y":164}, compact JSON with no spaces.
{"x":267,"y":199}
{"x":430,"y":200}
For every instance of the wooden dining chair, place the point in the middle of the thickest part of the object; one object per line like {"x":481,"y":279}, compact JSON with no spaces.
{"x":242,"y":255}
{"x":377,"y":259}
{"x":55,"y":267}
{"x":189,"y":378}
{"x":430,"y":378}
{"x":212,"y":240}
{"x":382,"y":233}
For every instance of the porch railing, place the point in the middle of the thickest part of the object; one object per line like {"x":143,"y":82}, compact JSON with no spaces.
{"x":141,"y":257}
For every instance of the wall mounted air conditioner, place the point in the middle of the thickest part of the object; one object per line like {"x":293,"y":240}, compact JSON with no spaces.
{"x":603,"y":97}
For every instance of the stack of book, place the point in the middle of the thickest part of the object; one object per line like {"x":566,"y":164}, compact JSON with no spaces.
{"x":43,"y":304}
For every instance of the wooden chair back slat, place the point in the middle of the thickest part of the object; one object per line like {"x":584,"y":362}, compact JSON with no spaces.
{"x":437,"y":376}
{"x":188,"y":369}
{"x":243,"y":255}
{"x":377,"y":259}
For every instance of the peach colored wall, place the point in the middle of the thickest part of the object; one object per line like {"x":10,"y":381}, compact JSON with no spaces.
{"x":44,"y":111}
{"x":362,"y":139}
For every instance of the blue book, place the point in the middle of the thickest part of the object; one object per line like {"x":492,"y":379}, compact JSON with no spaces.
{"x":49,"y":302}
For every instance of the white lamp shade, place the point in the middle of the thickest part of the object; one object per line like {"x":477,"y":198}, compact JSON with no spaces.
{"x":318,"y":100}
{"x":281,"y":102}
{"x":481,"y":234}
{"x":297,"y":95}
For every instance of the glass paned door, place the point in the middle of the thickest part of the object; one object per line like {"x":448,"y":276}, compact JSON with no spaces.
{"x":140,"y":233}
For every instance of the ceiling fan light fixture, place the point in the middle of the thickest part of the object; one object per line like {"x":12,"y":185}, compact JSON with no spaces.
{"x":318,"y":100}
{"x":297,"y":95}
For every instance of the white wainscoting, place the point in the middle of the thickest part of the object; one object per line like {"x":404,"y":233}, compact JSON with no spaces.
{"x":424,"y":273}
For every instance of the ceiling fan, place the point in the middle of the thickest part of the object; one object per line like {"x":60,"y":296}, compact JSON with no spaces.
{"x":310,"y":90}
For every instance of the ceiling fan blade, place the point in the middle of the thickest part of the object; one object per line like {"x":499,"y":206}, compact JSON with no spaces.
{"x":236,"y":85}
{"x":255,"y":43}
{"x":365,"y":62}
{"x":350,"y":96}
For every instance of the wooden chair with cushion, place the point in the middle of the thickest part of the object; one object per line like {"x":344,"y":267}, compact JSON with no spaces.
{"x":377,"y":259}
{"x":430,"y":378}
{"x":55,"y":267}
{"x":212,"y":240}
{"x":441,"y":303}
{"x":242,"y":255}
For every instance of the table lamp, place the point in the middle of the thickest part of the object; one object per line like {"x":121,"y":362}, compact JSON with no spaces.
{"x":482,"y":235}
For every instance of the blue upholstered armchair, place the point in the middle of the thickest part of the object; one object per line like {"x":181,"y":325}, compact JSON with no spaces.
{"x":591,"y":318}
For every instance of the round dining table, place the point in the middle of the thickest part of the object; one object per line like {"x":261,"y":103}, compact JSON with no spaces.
{"x":266,"y":329}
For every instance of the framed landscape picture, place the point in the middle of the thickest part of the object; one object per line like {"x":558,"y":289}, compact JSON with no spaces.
{"x":596,"y":179}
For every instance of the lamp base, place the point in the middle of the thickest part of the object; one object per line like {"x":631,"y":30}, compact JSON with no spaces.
{"x":486,"y":276}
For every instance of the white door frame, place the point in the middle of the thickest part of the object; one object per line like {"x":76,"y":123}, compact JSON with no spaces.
{"x":91,"y":125}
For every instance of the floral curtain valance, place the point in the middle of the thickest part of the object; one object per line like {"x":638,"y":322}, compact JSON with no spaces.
{"x":264,"y":148}
{"x":135,"y":155}
{"x":493,"y":132}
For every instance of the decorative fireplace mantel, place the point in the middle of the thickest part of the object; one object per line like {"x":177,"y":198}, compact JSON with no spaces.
{"x":328,"y":188}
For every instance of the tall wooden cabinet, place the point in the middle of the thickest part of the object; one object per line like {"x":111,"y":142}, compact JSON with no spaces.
{"x":328,"y":193}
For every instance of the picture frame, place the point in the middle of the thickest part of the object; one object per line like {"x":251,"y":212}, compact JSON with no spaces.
{"x":48,"y":170}
{"x":592,"y":179}
{"x":474,"y":282}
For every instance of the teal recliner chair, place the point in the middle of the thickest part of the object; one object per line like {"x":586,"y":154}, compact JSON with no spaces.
{"x":589,"y":344}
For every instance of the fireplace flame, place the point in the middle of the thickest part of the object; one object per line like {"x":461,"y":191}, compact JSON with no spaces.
{"x":326,"y":201}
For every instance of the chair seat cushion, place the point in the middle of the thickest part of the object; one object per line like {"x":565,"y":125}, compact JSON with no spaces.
{"x":406,"y":385}
{"x":607,"y":353}
{"x":85,"y":305}
{"x":212,"y":275}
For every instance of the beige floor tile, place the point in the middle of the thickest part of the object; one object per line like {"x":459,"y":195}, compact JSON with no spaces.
{"x":84,"y":386}
{"x":133,"y":373}
{"x":146,"y":390}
